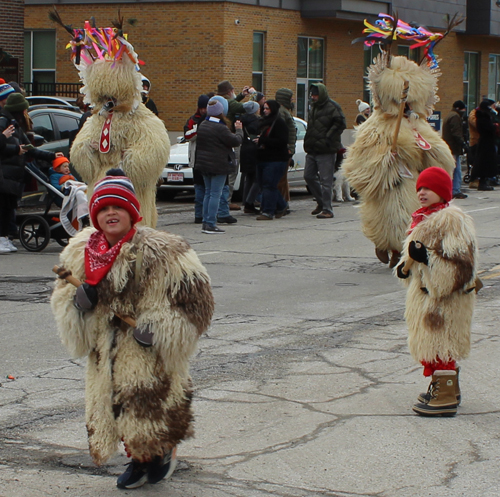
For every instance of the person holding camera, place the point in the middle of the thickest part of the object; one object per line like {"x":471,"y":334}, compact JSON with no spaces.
{"x":235,"y":111}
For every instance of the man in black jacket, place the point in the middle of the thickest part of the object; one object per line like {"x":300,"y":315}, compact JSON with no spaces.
{"x":325,"y":125}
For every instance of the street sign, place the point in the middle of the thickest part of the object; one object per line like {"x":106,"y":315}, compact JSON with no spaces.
{"x":435,"y":120}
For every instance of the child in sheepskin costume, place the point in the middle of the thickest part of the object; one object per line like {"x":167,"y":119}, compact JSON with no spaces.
{"x":122,"y":132}
{"x":138,"y":388}
{"x":442,"y":248}
{"x":385,"y":182}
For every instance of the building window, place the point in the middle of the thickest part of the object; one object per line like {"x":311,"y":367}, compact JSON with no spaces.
{"x":471,"y":79}
{"x":372,"y":52}
{"x":310,"y":69}
{"x":494,"y":77}
{"x":40,"y":56}
{"x":258,"y":62}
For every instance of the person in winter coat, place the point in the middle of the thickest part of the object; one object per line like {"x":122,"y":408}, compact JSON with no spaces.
{"x":439,"y":265}
{"x":284,"y":97}
{"x":453,"y":135}
{"x":248,"y":156}
{"x":364,"y":112}
{"x":325,"y":125}
{"x":138,"y":388}
{"x":383,"y":168}
{"x":11,"y":186}
{"x":215,"y":159}
{"x":272,"y":161}
{"x":485,"y":164}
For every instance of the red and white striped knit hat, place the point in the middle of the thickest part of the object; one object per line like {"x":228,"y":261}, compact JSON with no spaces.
{"x":114,"y":189}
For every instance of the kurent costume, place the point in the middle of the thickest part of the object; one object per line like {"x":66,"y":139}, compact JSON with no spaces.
{"x":385,"y":181}
{"x":121,"y":131}
{"x":139,"y":395}
{"x":442,"y":247}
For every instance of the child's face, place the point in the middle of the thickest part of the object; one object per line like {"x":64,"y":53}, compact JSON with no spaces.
{"x":63,"y":168}
{"x":115,"y":222}
{"x":427,"y":197}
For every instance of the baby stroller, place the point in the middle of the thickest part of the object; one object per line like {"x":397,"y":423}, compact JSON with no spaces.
{"x":39,"y":215}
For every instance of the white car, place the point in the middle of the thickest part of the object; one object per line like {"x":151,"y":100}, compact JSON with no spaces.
{"x":178,"y":175}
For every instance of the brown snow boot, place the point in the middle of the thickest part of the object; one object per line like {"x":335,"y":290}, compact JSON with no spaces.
{"x":382,"y":255}
{"x":395,"y":256}
{"x":443,"y":401}
{"x":424,"y":397}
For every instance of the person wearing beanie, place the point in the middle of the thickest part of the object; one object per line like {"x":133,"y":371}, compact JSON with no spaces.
{"x":234,"y":112}
{"x":190,"y":134}
{"x":439,"y":268}
{"x":144,"y":302}
{"x":5,"y":91}
{"x":60,"y":172}
{"x":364,"y":111}
{"x":248,"y":156}
{"x":215,"y":160}
{"x":453,"y":135}
{"x":284,"y":97}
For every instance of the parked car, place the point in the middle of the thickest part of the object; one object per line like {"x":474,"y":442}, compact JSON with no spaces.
{"x":55,"y":126}
{"x":178,"y":175}
{"x":48,"y":100}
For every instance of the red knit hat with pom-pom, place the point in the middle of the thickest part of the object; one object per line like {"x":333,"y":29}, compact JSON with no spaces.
{"x":437,"y":180}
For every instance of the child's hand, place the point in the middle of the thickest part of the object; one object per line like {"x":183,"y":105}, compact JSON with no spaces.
{"x":144,"y":336}
{"x":86,"y":297}
{"x":418,"y":252}
{"x":401,"y":274}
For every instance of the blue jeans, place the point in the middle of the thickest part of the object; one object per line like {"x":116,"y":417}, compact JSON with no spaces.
{"x":268,"y":176}
{"x":457,"y":175}
{"x":199,"y":196}
{"x":214,"y":184}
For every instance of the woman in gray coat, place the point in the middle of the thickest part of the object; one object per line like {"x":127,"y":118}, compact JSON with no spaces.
{"x":215,"y":159}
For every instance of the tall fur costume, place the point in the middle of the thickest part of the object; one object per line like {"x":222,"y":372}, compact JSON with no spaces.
{"x":139,"y":141}
{"x":140,"y":395}
{"x":440,"y":299}
{"x":387,"y":195}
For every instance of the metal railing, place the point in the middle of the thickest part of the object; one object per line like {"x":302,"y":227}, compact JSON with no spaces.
{"x":52,"y":89}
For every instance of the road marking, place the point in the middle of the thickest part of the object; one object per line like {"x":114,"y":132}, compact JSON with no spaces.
{"x":490,"y":276}
{"x":478,"y":210}
{"x":208,"y":253}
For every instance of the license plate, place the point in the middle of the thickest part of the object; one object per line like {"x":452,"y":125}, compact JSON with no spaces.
{"x":175,"y":177}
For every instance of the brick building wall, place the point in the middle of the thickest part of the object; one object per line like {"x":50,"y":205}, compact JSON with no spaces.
{"x":189,"y":47}
{"x":11,"y":35}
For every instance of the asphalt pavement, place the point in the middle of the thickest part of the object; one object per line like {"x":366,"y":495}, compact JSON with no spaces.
{"x":303,"y":383}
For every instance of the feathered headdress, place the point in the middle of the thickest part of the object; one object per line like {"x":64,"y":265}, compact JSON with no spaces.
{"x":388,"y":28}
{"x":92,"y":43}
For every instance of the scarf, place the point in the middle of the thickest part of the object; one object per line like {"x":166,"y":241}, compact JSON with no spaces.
{"x":424,"y":212}
{"x":99,"y":256}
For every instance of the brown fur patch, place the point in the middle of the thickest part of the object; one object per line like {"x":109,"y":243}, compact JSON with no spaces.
{"x":195,"y":299}
{"x":434,"y":321}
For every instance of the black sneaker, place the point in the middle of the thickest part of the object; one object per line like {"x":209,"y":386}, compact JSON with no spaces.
{"x":212,"y":230}
{"x":162,"y":467}
{"x":227,"y":220}
{"x":135,"y":475}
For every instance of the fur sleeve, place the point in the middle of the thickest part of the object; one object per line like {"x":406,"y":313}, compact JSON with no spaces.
{"x":176,"y":296}
{"x":73,"y":326}
{"x":450,"y":239}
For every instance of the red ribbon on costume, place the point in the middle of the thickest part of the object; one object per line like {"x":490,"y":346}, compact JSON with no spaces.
{"x":105,"y":141}
{"x":421,"y":141}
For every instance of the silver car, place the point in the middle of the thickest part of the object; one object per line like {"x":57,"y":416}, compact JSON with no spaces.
{"x":178,"y":175}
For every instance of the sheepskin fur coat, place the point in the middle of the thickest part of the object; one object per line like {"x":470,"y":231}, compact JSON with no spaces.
{"x":440,"y":298}
{"x":139,"y":142}
{"x":139,"y":395}
{"x":385,"y":182}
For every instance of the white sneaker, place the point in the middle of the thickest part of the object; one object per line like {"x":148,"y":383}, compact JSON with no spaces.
{"x":12,"y":247}
{"x":4,"y":246}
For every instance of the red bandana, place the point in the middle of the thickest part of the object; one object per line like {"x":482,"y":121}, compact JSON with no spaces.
{"x":99,"y":257}
{"x":423,"y":212}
